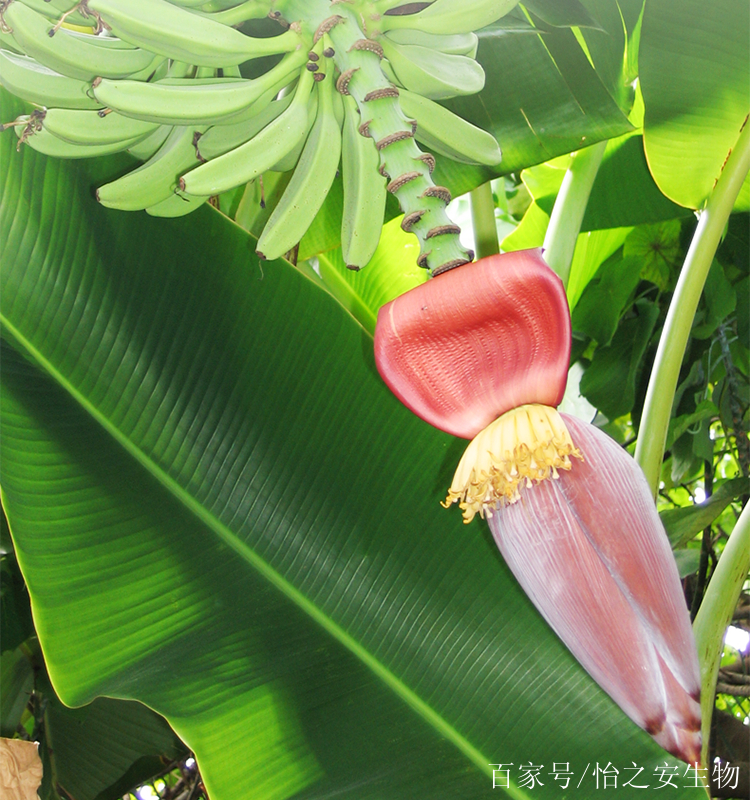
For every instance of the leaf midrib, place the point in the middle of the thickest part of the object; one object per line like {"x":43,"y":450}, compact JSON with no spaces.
{"x":429,"y":714}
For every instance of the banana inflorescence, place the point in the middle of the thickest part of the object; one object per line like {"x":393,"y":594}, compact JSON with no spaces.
{"x":352,"y":85}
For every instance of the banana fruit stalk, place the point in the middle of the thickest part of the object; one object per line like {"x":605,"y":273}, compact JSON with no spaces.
{"x":353,"y":83}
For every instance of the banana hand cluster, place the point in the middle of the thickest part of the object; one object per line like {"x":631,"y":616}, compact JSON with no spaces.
{"x":351,"y":86}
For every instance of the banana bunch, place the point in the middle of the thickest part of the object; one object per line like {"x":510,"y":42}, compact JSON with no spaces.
{"x":351,"y":86}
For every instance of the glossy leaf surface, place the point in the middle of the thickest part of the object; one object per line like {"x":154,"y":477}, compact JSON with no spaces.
{"x":221,"y":511}
{"x":695,"y":78}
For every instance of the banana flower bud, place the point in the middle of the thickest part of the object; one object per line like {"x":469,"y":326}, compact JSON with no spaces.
{"x":482,"y":352}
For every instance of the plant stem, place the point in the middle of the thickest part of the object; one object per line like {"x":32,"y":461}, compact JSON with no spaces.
{"x":570,"y":206}
{"x":700,"y":584}
{"x":735,"y":406}
{"x":483,"y":219}
{"x":407,"y":168}
{"x":716,"y":611}
{"x":657,"y":410}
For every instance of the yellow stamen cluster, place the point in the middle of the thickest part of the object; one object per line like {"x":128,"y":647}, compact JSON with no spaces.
{"x":530,"y":443}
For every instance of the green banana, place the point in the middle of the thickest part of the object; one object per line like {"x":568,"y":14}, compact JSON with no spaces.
{"x":448,"y":134}
{"x":7,"y":42}
{"x":146,"y":148}
{"x":310,"y":183}
{"x":221,"y":139}
{"x":364,"y":191}
{"x":94,"y":127}
{"x":176,"y":205}
{"x":78,"y":56}
{"x":433,"y":74}
{"x":174,"y":101}
{"x":156,"y":180}
{"x":47,"y":143}
{"x":176,"y":32}
{"x":51,"y":8}
{"x":211,"y":6}
{"x":457,"y":44}
{"x":450,"y":16}
{"x":236,"y":15}
{"x":254,"y":157}
{"x":31,"y":81}
{"x":57,"y":9}
{"x":289,"y":161}
{"x":189,"y":3}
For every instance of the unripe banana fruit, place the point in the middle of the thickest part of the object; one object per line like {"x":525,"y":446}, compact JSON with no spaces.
{"x":352,"y":88}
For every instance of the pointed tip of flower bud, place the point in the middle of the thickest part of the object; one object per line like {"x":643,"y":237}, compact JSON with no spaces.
{"x":477,"y":341}
{"x":590,"y":552}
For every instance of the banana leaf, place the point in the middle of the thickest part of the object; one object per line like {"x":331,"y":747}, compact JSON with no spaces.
{"x":221,"y":511}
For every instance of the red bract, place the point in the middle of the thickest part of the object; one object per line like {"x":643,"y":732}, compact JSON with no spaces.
{"x":482,"y":351}
{"x":474,"y":342}
{"x":590,"y":552}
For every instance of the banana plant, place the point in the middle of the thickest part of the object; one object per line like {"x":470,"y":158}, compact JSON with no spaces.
{"x":219,"y":508}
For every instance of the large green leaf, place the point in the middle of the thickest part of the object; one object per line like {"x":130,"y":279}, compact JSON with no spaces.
{"x":102,"y":750}
{"x":609,"y":383}
{"x":221,"y":511}
{"x":542,"y":98}
{"x":623,"y":194}
{"x":613,"y":45}
{"x":695,"y":76}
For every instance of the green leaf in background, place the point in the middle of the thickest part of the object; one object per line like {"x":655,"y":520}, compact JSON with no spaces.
{"x":679,"y":425}
{"x":542,"y":98}
{"x":221,"y":511}
{"x":562,"y":13}
{"x":17,"y":679}
{"x":592,"y":250}
{"x":597,"y":314}
{"x":101,"y":751}
{"x":609,"y":381}
{"x":656,"y":248}
{"x":15,"y":611}
{"x":688,"y":561}
{"x":613,"y":45}
{"x":684,"y":524}
{"x":721,"y":300}
{"x":624,"y":193}
{"x":530,"y":231}
{"x":695,"y":79}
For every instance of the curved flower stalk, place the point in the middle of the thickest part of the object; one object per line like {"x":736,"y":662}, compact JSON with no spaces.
{"x":482,"y":352}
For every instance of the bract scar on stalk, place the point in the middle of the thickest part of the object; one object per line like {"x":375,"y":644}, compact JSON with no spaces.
{"x":482,"y":352}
